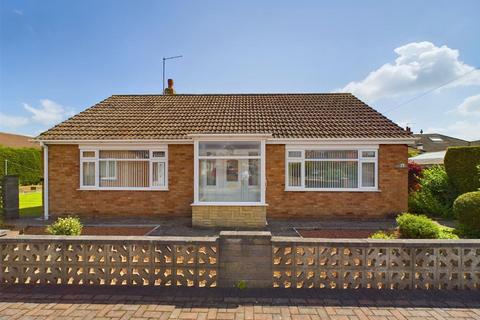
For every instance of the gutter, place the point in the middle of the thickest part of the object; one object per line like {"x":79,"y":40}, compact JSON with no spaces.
{"x":268,"y":140}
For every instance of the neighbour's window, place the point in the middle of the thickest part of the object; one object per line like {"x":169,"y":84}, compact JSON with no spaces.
{"x":123,"y":169}
{"x":317,"y":169}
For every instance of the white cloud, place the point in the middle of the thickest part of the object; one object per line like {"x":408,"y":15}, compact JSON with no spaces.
{"x":18,"y":12}
{"x":12,"y":122}
{"x":467,"y":130}
{"x":469,"y":106}
{"x":419,"y":66}
{"x":49,"y":112}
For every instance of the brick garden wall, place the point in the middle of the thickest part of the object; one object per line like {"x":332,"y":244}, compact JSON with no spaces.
{"x":65,"y":198}
{"x":392,"y":198}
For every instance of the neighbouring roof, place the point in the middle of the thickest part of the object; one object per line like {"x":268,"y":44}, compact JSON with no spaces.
{"x":429,"y":158}
{"x":330,"y":115}
{"x":432,"y":142}
{"x":17,"y":141}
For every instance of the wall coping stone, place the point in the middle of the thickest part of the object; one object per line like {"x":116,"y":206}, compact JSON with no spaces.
{"x":378,"y":242}
{"x":245,"y":234}
{"x":110,"y":239}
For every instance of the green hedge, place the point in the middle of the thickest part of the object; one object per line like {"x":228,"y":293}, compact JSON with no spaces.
{"x":25,"y":162}
{"x":461,"y":166}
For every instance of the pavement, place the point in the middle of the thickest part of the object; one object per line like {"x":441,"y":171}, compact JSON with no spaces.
{"x":146,"y":303}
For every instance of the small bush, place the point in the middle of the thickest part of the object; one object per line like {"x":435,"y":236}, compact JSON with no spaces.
{"x":448,"y":233}
{"x":413,"y":226}
{"x":461,"y":165}
{"x":435,"y":194}
{"x":69,"y":226}
{"x":467,"y":210}
{"x":382,"y":235}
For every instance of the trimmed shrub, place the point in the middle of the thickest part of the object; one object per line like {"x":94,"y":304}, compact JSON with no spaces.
{"x":467,"y":210}
{"x":382,"y":235}
{"x":435,"y":194}
{"x":70,"y":226}
{"x":417,"y":227}
{"x":461,"y":166}
{"x":24,"y":162}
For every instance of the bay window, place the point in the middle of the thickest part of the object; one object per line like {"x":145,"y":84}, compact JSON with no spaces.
{"x":229,"y":172}
{"x":123,"y":169}
{"x":317,"y":169}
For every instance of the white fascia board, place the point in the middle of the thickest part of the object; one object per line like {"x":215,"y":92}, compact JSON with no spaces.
{"x":341,"y":141}
{"x":241,"y":137}
{"x":118,"y":142}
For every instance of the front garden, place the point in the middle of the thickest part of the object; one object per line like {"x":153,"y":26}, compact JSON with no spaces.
{"x":449,"y":193}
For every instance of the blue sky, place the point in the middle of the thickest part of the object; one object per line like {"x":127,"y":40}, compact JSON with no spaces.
{"x":60,"y":57}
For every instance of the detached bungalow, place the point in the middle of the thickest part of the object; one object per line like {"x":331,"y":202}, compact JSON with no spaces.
{"x":227,"y":159}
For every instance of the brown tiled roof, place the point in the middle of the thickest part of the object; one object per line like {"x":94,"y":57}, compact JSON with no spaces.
{"x":330,"y":115}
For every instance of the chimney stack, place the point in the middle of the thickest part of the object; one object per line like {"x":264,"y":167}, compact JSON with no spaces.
{"x":408,"y":129}
{"x":169,"y":90}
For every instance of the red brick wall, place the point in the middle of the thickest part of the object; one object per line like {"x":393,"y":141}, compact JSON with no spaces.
{"x":391,"y":199}
{"x":64,"y":198}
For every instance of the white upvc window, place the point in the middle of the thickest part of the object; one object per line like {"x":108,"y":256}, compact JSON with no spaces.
{"x":128,"y":168}
{"x":317,"y":168}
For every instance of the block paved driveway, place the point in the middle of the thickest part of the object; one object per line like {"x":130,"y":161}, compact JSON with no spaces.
{"x":192,"y":304}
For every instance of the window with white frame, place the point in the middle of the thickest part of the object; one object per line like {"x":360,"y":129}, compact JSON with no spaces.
{"x":123,"y":169}
{"x":229,"y":171}
{"x":318,"y":169}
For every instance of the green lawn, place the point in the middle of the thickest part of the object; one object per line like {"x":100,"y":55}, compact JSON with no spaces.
{"x":30,"y":205}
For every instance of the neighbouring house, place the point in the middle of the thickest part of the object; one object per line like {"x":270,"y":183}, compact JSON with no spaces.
{"x":433,"y":142}
{"x":428,"y":159}
{"x":17,"y":141}
{"x":230,"y":160}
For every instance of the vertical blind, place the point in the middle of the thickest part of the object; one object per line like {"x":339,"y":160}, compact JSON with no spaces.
{"x":331,"y":169}
{"x":124,"y":168}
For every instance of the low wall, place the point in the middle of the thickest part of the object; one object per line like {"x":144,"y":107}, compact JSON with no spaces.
{"x":229,"y":216}
{"x":254,"y":258}
{"x":93,"y":260}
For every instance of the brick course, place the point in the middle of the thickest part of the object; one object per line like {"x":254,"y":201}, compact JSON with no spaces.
{"x":65,"y":198}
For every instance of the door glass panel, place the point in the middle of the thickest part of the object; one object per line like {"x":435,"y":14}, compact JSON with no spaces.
{"x":224,"y":180}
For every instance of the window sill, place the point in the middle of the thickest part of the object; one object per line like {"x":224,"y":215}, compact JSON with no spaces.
{"x":235,"y":204}
{"x":331,"y":190}
{"x":122,"y":189}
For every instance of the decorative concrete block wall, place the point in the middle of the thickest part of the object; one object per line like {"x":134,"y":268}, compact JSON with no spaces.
{"x":254,"y":258}
{"x":93,"y":260}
